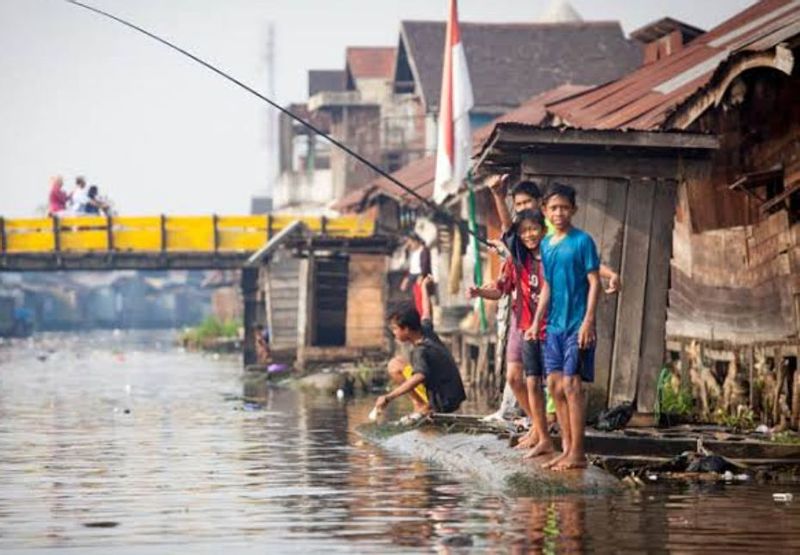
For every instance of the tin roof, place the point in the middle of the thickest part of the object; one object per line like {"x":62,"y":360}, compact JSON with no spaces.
{"x":645,"y":98}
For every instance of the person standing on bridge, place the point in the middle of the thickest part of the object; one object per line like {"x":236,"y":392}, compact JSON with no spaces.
{"x":58,"y":196}
{"x":93,"y":203}
{"x":79,"y":196}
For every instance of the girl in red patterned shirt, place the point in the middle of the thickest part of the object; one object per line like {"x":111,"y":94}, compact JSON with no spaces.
{"x":522,"y":277}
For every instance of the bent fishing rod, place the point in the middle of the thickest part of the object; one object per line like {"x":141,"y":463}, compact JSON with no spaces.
{"x":298,"y":119}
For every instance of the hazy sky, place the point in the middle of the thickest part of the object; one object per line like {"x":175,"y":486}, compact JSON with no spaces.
{"x":80,"y":94}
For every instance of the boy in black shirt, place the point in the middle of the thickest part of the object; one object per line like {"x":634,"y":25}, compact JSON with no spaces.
{"x":432,"y":365}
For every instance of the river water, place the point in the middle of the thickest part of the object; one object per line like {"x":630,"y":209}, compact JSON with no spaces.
{"x":123,"y":443}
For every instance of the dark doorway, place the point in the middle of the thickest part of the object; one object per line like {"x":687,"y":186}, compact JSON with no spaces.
{"x":330,"y":320}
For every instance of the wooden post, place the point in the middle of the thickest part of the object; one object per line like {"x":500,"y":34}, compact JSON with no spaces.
{"x":3,"y":242}
{"x":56,"y":234}
{"x":109,"y":234}
{"x":249,"y":284}
{"x":654,"y":317}
{"x":214,"y":222}
{"x":752,"y":374}
{"x":163,"y":233}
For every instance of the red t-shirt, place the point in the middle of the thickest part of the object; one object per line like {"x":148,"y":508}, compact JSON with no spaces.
{"x":58,"y":200}
{"x":524,"y":281}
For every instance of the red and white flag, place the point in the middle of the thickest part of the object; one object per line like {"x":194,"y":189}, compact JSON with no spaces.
{"x":454,"y":144}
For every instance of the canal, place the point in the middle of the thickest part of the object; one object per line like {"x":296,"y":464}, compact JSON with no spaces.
{"x":122,"y":442}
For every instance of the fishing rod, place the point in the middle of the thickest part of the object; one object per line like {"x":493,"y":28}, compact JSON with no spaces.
{"x":277,"y":106}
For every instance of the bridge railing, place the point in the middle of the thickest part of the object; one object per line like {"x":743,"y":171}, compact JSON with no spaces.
{"x":76,"y":234}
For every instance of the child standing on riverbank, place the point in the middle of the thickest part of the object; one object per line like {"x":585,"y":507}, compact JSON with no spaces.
{"x":432,"y":379}
{"x":569,"y":296}
{"x":521,"y":278}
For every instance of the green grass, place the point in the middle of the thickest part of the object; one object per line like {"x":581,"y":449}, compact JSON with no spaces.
{"x":210,"y":329}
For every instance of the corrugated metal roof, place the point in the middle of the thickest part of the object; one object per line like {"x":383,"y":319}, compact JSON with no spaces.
{"x":644,"y":98}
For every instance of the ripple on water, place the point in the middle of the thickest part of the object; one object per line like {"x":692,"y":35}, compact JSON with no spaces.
{"x":190,"y":464}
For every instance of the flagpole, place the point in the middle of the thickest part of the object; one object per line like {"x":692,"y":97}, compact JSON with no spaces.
{"x":477,"y":273}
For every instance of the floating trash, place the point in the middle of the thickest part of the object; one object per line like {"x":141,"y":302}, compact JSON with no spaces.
{"x":782,"y":497}
{"x":101,"y":524}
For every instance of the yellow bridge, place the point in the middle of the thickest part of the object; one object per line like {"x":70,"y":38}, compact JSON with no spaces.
{"x":162,"y":242}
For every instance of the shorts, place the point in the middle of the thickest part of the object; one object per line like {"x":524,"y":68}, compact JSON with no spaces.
{"x":561,"y":354}
{"x":532,"y":358}
{"x":514,"y":341}
{"x":420,"y":389}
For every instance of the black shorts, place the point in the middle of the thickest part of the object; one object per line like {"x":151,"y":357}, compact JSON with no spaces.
{"x":533,"y":358}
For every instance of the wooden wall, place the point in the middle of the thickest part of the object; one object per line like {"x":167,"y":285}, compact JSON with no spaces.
{"x":366,"y":306}
{"x":738,"y":285}
{"x":758,"y":125}
{"x":282,"y":297}
{"x":628,"y":206}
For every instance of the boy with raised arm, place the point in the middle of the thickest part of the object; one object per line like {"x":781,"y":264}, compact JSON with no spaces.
{"x":432,"y":365}
{"x":569,"y":296}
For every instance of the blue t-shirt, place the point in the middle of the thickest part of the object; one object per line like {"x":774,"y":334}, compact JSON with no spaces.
{"x":566,"y":265}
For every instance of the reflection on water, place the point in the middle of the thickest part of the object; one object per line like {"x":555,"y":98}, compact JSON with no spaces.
{"x":117,"y":441}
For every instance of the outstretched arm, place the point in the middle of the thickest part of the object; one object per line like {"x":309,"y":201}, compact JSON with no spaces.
{"x":401,"y":389}
{"x":612,"y":277}
{"x":487,"y":292}
{"x":496,"y":186}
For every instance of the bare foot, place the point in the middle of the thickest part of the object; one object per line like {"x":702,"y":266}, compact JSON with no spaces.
{"x":527,"y":441}
{"x":541,"y":448}
{"x":552,"y":462}
{"x":570,"y":463}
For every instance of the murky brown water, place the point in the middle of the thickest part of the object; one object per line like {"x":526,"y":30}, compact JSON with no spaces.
{"x":116,"y":443}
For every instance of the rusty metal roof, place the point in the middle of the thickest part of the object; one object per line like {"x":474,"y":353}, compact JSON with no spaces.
{"x":645,"y":98}
{"x":370,"y":61}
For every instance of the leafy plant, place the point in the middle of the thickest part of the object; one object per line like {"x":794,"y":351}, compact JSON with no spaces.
{"x":670,"y":401}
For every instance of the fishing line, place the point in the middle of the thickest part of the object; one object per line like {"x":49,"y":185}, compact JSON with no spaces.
{"x":277,"y":106}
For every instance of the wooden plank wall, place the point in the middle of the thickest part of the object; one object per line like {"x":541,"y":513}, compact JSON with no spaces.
{"x":282,"y":296}
{"x":737,"y":284}
{"x":366,"y":292}
{"x":635,"y":252}
{"x":655,"y":302}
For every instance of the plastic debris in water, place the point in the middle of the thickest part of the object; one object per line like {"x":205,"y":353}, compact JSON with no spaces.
{"x":782,"y":497}
{"x":340,"y":394}
{"x":374,"y":414}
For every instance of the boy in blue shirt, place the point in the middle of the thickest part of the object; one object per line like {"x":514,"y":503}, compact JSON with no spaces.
{"x":569,"y":297}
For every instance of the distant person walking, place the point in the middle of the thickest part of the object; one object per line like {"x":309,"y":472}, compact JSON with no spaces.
{"x":58,"y":196}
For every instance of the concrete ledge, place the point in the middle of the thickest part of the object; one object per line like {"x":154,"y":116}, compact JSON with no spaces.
{"x":490,"y":461}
